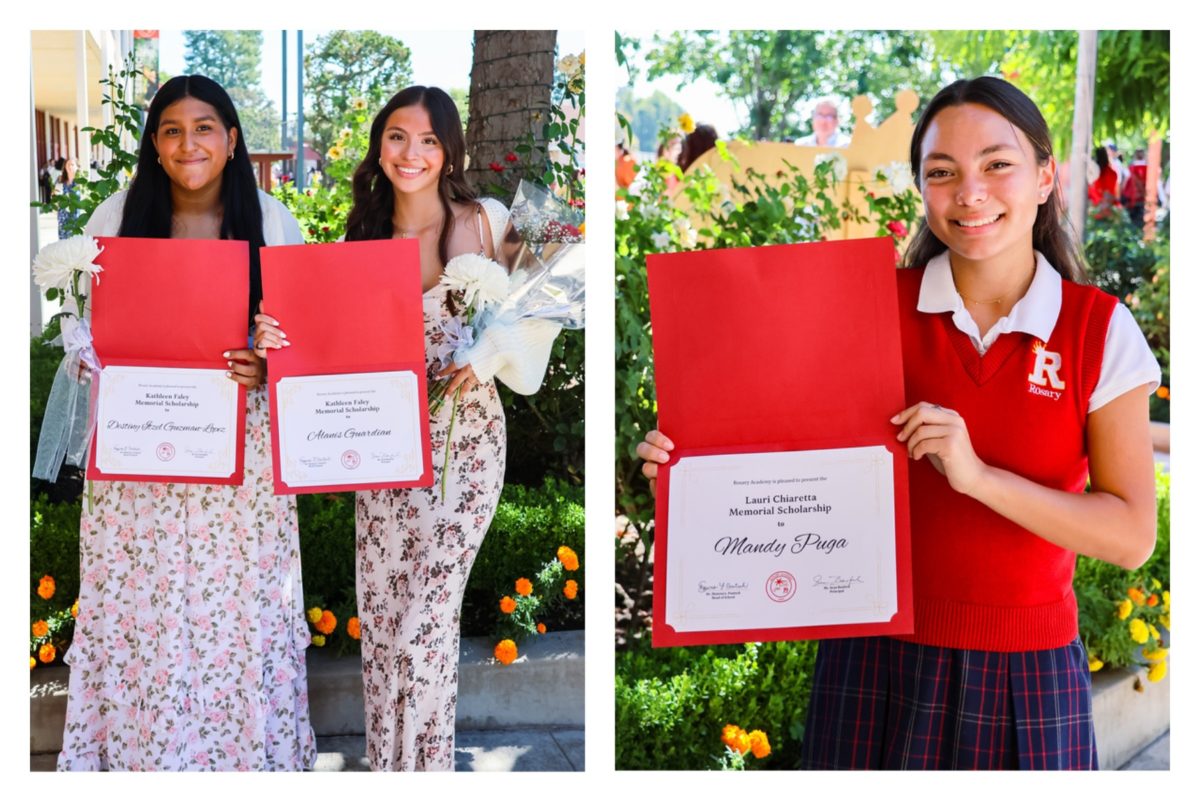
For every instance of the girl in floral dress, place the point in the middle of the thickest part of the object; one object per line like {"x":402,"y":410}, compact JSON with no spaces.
{"x":416,"y":546}
{"x":189,"y":646}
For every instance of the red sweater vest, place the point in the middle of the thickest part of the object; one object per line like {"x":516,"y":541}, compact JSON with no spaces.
{"x":979,"y":580}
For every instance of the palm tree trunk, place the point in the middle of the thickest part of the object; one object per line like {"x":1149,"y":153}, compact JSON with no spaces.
{"x":511,"y":77}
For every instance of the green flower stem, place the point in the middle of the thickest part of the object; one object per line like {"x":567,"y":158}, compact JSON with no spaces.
{"x":449,"y":433}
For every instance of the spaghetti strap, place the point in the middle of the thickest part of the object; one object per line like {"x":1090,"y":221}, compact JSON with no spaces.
{"x":479,"y":225}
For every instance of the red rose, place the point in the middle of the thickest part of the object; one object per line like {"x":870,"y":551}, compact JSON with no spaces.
{"x":511,"y":157}
{"x":496,"y":166}
{"x":897,"y":228}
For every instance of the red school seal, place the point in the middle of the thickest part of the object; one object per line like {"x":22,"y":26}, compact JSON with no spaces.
{"x":350,"y":459}
{"x":165,"y":452}
{"x":781,"y":586}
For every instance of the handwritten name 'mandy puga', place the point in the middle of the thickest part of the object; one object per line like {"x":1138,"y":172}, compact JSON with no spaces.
{"x":779,"y":505}
{"x":730,"y":545}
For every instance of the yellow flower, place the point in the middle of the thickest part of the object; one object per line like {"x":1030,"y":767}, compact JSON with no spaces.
{"x":1094,"y":664}
{"x":506,"y":651}
{"x":75,"y":610}
{"x":582,"y":58}
{"x":583,"y":229}
{"x":314,"y":615}
{"x":335,"y":152}
{"x":686,"y":123}
{"x":1157,"y":672}
{"x":508,"y":604}
{"x":524,"y":587}
{"x":318,"y":640}
{"x":1156,"y":654}
{"x":1166,"y":601}
{"x":1155,"y":584}
{"x":32,"y":662}
{"x":1124,"y":608}
{"x":568,"y":558}
{"x":40,"y":628}
{"x":1154,"y":634}
{"x":1138,"y":631}
{"x":1137,"y":596}
{"x":1165,"y":620}
{"x":759,"y":744}
{"x":46,"y":653}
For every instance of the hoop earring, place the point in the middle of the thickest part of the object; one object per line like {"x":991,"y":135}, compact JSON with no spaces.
{"x":450,"y":170}
{"x":158,"y":159}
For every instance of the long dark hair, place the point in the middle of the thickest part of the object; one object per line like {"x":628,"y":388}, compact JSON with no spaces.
{"x":696,"y":144}
{"x":1050,"y":236}
{"x":148,"y":209}
{"x":374,"y":199}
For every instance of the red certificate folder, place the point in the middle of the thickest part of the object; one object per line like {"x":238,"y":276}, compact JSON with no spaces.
{"x":778,"y":348}
{"x":346,"y":308}
{"x":171,"y":303}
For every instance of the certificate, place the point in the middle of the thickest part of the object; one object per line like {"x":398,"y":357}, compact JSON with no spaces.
{"x":163,"y":315}
{"x":174,"y":421}
{"x":350,"y":428}
{"x":783,"y":513}
{"x":781,"y":539}
{"x":349,"y":404}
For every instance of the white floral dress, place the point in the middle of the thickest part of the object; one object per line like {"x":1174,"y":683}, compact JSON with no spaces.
{"x":414,"y":556}
{"x":189,"y":646}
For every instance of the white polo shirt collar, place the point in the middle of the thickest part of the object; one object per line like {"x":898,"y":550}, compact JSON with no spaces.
{"x":1035,"y":314}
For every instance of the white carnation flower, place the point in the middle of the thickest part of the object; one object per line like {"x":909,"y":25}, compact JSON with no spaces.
{"x":839,"y":164}
{"x":899,"y":176}
{"x":56,"y":264}
{"x":479,"y":278}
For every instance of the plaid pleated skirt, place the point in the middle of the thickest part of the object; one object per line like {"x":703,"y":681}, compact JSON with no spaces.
{"x":880,"y":703}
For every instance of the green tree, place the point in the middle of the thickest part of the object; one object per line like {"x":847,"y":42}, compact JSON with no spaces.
{"x":343,"y":65}
{"x":647,"y":116}
{"x":767,"y":74}
{"x":233,"y":59}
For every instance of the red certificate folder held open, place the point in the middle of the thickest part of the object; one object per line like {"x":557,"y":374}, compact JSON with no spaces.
{"x":347,"y":308}
{"x":165,"y":303}
{"x":772,"y":349}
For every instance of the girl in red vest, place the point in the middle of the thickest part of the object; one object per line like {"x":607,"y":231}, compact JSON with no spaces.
{"x":1024,"y":383}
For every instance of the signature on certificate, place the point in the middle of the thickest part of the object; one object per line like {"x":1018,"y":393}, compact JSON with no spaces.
{"x":836,"y":583}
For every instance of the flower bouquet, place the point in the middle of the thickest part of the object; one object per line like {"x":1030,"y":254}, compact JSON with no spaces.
{"x":64,"y":269}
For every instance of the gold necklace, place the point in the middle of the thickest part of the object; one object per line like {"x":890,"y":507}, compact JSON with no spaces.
{"x":996,"y":300}
{"x":414,"y":232}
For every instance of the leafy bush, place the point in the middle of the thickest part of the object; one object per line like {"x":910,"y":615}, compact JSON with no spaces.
{"x":53,"y":553}
{"x":1119,"y":260}
{"x":671,"y":704}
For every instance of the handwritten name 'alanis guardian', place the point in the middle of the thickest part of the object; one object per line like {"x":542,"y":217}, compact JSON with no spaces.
{"x":779,"y":505}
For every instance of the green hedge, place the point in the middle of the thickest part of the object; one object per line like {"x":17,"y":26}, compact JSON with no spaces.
{"x":671,"y":704}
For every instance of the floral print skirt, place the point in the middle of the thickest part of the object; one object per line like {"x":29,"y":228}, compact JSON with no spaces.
{"x":189,"y":646}
{"x":414,"y":556}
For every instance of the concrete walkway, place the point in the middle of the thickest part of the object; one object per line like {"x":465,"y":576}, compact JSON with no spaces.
{"x":1156,"y":755}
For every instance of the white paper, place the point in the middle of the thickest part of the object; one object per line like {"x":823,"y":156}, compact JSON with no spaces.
{"x":350,"y":429}
{"x":169,"y":422}
{"x":781,"y":539}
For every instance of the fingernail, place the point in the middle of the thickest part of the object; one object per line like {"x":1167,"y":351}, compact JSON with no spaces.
{"x":286,"y":343}
{"x":231,"y":363}
{"x":670,"y":444}
{"x":894,"y":418}
{"x":226,"y":354}
{"x":274,"y":322}
{"x":281,"y":334}
{"x":229,"y":374}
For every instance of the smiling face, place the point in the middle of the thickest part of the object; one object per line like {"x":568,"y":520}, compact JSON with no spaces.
{"x":193,"y":144}
{"x":982,"y":184}
{"x":410,"y":154}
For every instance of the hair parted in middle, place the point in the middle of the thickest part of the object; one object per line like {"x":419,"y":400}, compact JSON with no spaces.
{"x":370,"y":217}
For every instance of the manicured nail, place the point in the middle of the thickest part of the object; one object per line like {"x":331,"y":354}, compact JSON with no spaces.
{"x":226,"y":354}
{"x":231,"y":363}
{"x":273,"y":322}
{"x":895,"y":418}
{"x":229,"y":374}
{"x":286,"y":343}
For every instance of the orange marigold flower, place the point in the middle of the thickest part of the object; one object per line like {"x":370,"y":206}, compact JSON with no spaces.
{"x":46,"y":653}
{"x":524,"y":587}
{"x":729,"y":735}
{"x":508,"y":604}
{"x":1163,"y":392}
{"x":759,"y":744}
{"x":326,"y":623}
{"x":40,"y":628}
{"x":506,"y":651}
{"x":353,"y":628}
{"x":570,"y":589}
{"x":1138,"y":597}
{"x":541,"y":628}
{"x":568,"y":558}
{"x":1152,"y":600}
{"x":32,"y":662}
{"x":46,"y":588}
